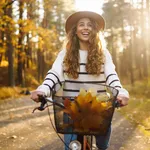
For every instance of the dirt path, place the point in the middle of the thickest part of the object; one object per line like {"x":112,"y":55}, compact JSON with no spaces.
{"x":22,"y":130}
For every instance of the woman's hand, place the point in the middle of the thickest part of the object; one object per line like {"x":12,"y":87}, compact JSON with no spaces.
{"x":123,"y":101}
{"x":35,"y":95}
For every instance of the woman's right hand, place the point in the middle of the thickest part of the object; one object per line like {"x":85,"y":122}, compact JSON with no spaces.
{"x":35,"y":95}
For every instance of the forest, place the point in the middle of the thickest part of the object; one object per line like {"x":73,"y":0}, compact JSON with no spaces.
{"x":32,"y":33}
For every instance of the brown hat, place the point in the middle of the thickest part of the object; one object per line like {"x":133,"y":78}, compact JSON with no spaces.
{"x":72,"y":19}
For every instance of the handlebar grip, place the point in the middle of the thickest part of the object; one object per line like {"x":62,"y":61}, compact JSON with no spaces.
{"x":117,"y":104}
{"x":43,"y":101}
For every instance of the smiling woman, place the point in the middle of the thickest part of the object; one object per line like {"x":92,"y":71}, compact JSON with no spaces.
{"x":91,"y":5}
{"x":83,"y":63}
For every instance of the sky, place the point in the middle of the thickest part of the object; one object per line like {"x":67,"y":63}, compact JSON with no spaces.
{"x":91,"y":5}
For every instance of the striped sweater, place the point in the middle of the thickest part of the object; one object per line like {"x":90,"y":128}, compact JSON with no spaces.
{"x":71,"y":86}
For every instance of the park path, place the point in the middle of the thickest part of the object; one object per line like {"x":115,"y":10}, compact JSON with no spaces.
{"x":22,"y":130}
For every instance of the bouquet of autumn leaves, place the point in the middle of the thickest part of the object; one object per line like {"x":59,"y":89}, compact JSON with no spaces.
{"x":88,"y":111}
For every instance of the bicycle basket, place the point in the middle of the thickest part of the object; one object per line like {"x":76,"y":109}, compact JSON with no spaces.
{"x":85,"y":114}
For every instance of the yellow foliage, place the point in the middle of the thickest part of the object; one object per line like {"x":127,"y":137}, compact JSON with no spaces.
{"x":4,"y":63}
{"x":2,"y":2}
{"x":7,"y":92}
{"x":2,"y":50}
{"x":86,"y":111}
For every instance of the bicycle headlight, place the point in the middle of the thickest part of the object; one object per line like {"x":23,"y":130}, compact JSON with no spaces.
{"x":75,"y":145}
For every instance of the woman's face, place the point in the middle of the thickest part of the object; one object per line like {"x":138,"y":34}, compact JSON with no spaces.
{"x":84,"y":28}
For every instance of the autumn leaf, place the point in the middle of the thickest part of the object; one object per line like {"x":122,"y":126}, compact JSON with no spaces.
{"x":67,"y":103}
{"x":86,"y":111}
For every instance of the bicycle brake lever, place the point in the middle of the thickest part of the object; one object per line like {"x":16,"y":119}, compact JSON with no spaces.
{"x":43,"y":102}
{"x":117,"y":104}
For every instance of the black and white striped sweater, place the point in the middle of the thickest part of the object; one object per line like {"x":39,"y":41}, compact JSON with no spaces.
{"x":71,"y":86}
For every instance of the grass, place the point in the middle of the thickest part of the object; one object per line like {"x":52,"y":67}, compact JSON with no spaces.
{"x":8,"y":92}
{"x":138,"y":110}
{"x":11,"y":92}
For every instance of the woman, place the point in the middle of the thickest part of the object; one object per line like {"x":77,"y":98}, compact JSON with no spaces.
{"x":83,"y":63}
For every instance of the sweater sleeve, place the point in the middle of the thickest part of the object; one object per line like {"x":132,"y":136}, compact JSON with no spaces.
{"x":111,"y":75}
{"x":54,"y":75}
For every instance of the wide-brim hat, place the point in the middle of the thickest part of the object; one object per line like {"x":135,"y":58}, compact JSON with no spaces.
{"x":73,"y":19}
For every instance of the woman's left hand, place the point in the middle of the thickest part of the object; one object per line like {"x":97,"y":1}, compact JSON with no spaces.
{"x":123,"y":101}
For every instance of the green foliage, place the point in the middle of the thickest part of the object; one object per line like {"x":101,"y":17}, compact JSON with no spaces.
{"x":128,"y":37}
{"x":140,"y":88}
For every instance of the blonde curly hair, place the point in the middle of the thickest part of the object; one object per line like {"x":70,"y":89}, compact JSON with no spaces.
{"x":95,"y":53}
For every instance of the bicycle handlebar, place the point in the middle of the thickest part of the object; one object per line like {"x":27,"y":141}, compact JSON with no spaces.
{"x":43,"y":100}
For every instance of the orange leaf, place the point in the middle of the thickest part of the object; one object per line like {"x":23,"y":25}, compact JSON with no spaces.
{"x":67,"y":103}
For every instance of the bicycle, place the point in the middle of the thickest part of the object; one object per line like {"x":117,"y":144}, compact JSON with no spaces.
{"x":64,"y":124}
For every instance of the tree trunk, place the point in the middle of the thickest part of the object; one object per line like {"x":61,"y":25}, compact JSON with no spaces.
{"x":145,"y":67}
{"x":20,"y":49}
{"x":148,"y":35}
{"x":114,"y":53}
{"x":131,"y":47}
{"x":148,"y":12}
{"x":27,"y":51}
{"x":1,"y":44}
{"x":39,"y":56}
{"x":10,"y":50}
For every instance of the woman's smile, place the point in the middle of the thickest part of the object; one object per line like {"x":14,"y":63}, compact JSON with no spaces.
{"x":85,"y":33}
{"x":84,"y":28}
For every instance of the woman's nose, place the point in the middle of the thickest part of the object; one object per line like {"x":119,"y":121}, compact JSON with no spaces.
{"x":85,"y":26}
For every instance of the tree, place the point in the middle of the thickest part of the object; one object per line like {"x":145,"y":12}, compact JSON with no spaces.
{"x":20,"y":69}
{"x":6,"y":30}
{"x":126,"y":23}
{"x":31,"y":35}
{"x":10,"y":47}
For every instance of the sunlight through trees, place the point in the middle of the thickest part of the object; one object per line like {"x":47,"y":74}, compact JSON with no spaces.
{"x":32,"y":33}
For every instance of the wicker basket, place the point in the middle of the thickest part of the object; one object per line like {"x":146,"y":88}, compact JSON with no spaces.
{"x":66,"y":125}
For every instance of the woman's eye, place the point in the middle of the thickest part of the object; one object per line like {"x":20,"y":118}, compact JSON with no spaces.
{"x":81,"y":25}
{"x":90,"y":25}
